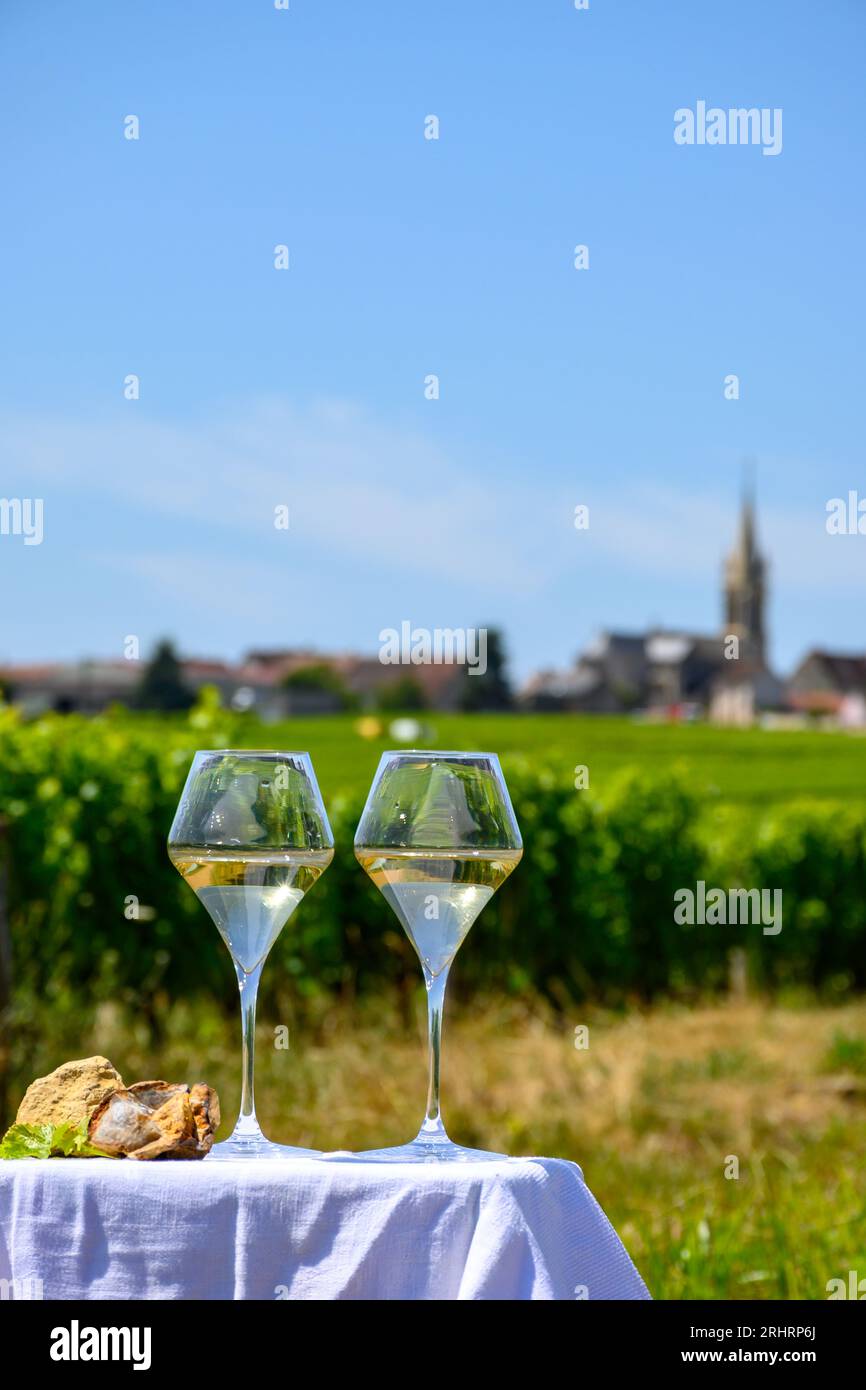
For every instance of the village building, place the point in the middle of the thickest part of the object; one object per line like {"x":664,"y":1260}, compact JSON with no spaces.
{"x":677,"y":673}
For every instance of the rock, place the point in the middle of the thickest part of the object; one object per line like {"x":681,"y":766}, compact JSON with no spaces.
{"x":176,"y":1137}
{"x":157,"y":1119}
{"x":70,"y":1094}
{"x":151,"y":1119}
{"x":153,"y":1094}
{"x":122,"y":1123}
{"x":205,"y":1112}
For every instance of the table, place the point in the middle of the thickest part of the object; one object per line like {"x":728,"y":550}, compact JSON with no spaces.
{"x":318,"y":1228}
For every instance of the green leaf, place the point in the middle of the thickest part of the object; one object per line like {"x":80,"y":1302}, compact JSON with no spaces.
{"x":62,"y":1139}
{"x":71,"y":1141}
{"x":27,"y":1141}
{"x":48,"y":1141}
{"x":83,"y":1148}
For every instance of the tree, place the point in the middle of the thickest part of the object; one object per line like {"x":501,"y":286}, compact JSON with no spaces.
{"x":492,"y":690}
{"x":162,"y":686}
{"x":403,"y":696}
{"x":319,"y":678}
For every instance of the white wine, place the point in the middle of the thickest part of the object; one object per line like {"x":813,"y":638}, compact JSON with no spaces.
{"x":250,"y":896}
{"x":437,"y":894}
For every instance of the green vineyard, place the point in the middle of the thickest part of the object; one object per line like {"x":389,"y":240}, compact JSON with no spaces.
{"x":96,"y":910}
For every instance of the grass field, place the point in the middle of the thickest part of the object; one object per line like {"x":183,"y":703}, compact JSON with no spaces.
{"x":653,"y":1110}
{"x":749,"y":766}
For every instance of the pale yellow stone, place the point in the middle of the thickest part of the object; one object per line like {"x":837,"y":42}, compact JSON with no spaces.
{"x":70,"y":1094}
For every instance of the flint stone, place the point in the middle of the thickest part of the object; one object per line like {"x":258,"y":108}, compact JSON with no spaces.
{"x":70,"y":1093}
{"x":157,"y":1119}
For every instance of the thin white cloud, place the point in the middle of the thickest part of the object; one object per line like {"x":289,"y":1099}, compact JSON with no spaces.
{"x":385,"y":498}
{"x":665,"y":532}
{"x":236,"y":590}
{"x":354,"y":487}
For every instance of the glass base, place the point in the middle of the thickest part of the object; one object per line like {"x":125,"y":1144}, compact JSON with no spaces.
{"x":431,"y":1146}
{"x":249,"y":1142}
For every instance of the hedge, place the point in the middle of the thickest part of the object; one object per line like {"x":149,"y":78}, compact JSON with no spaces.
{"x":86,"y":806}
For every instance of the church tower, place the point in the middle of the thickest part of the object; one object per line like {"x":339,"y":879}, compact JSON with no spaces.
{"x":744,"y":586}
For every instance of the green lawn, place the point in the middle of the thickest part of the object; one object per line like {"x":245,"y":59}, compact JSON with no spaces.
{"x":745,"y":766}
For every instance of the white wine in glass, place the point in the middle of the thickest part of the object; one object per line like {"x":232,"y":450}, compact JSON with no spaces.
{"x":251,"y":838}
{"x":438,"y":836}
{"x":250,"y":897}
{"x":437,"y":897}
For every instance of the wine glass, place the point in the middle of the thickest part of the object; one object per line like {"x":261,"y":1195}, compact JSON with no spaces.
{"x":250,"y":836}
{"x":437,"y":836}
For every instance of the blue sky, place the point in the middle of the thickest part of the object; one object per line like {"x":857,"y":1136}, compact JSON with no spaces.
{"x":408,"y":256}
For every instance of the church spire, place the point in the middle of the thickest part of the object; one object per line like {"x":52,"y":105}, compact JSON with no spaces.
{"x":744,"y":578}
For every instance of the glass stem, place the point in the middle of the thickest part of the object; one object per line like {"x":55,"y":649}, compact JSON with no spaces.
{"x":433,"y":1125}
{"x":249,"y":988}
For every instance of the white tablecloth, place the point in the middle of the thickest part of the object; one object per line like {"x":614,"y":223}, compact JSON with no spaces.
{"x":314,"y":1229}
